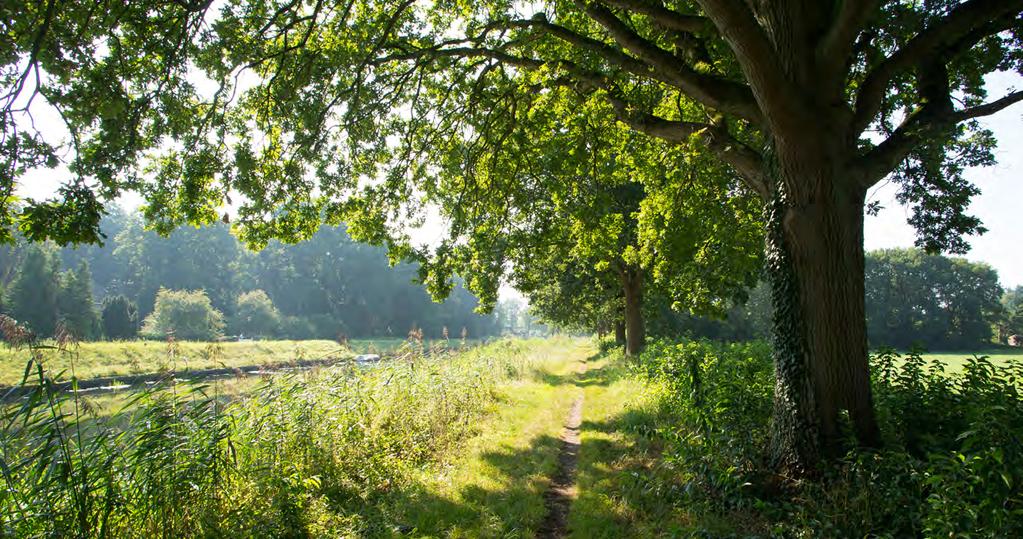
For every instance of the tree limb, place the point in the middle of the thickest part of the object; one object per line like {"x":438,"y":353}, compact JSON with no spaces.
{"x":837,"y":45}
{"x":777,"y":96}
{"x":717,"y":93}
{"x":667,"y":19}
{"x":943,"y":39}
{"x":882,"y":159}
{"x":746,"y":162}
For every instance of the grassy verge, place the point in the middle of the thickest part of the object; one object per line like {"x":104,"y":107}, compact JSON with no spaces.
{"x":451,"y":444}
{"x":493,"y":485}
{"x":119,"y":358}
{"x":626,"y":487}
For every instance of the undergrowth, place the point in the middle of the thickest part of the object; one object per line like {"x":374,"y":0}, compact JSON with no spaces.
{"x":951,"y":464}
{"x":304,"y":455}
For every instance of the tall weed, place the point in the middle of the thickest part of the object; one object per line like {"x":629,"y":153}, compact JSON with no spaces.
{"x":303,"y":455}
{"x":952,"y":463}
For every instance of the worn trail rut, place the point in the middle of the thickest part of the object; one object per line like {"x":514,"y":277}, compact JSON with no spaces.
{"x":558,"y":498}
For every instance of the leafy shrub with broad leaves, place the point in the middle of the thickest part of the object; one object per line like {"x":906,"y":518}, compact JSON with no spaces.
{"x":184,"y":314}
{"x":951,"y":465}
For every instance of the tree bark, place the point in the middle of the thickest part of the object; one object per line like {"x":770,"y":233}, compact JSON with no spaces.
{"x":620,"y":332}
{"x":635,"y":332}
{"x":815,"y":264}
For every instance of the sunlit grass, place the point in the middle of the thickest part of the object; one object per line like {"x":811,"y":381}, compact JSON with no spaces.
{"x":955,"y":361}
{"x":619,"y":470}
{"x":123,"y":358}
{"x":493,"y":485}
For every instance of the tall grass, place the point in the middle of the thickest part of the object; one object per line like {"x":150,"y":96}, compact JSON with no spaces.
{"x":304,"y":455}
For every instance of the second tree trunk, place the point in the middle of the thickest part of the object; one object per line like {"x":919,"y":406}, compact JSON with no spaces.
{"x":635,"y":332}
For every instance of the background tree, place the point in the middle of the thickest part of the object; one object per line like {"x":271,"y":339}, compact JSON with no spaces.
{"x":120,"y":318}
{"x":255,"y":314}
{"x":76,"y":308}
{"x":1010,"y":319}
{"x":187,"y":315}
{"x":32,"y":295}
{"x":935,"y":301}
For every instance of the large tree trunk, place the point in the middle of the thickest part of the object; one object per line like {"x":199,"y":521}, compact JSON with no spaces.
{"x":635,"y":332}
{"x":815,"y":265}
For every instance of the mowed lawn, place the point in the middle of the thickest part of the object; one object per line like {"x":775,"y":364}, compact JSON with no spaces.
{"x":120,"y":358}
{"x":955,"y":361}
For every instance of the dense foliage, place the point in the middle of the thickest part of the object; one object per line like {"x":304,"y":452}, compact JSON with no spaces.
{"x":304,"y":455}
{"x":120,"y":318}
{"x":951,"y":463}
{"x":936,"y":301}
{"x":256,"y":315}
{"x":185,"y":315}
{"x":322,"y":288}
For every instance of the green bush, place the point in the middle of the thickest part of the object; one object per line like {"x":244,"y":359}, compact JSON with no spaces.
{"x":187,"y":315}
{"x":120,"y":318}
{"x":952,"y":463}
{"x":255,"y":315}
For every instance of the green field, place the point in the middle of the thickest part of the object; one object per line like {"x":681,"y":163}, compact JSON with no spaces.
{"x":954,"y":361}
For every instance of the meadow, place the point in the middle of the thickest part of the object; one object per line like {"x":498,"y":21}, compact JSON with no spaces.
{"x":332,"y":449}
{"x":124,"y":358}
{"x":955,"y":361}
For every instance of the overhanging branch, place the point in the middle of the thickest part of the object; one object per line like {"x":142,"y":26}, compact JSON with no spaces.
{"x":949,"y":36}
{"x":882,"y":160}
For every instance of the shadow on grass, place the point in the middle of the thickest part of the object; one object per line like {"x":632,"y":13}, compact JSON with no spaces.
{"x":624,"y":488}
{"x":602,"y":376}
{"x":508,"y":502}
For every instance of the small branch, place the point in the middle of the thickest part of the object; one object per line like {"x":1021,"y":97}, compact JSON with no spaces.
{"x":944,"y":39}
{"x":885,"y":157}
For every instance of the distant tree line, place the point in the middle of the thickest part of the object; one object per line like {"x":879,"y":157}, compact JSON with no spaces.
{"x":912,"y":298}
{"x":205,"y":280}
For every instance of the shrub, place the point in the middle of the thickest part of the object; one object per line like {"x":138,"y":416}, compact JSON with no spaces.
{"x":255,"y":315}
{"x":187,"y":315}
{"x":120,"y":318}
{"x":952,"y":463}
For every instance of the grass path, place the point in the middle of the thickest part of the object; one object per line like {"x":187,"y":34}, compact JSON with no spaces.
{"x":565,"y":454}
{"x":562,"y":490}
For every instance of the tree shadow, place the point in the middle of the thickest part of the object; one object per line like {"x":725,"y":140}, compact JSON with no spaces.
{"x":512,"y":505}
